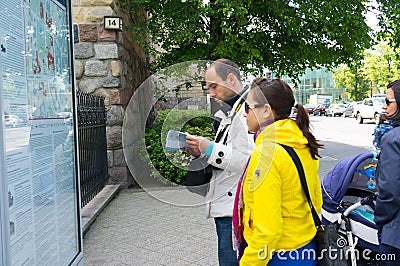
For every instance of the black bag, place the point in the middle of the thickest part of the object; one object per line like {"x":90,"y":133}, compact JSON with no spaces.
{"x":327,"y":237}
{"x":198,"y":176}
{"x":329,"y":241}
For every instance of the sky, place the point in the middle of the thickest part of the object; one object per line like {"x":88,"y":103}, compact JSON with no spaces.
{"x":371,"y":18}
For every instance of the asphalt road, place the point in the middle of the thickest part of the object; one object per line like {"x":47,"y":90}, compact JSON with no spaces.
{"x":343,"y":130}
{"x":342,"y":137}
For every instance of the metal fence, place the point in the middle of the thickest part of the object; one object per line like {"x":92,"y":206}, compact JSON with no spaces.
{"x":92,"y":145}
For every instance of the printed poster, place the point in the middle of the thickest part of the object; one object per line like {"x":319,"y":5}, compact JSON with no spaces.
{"x":36,"y":96}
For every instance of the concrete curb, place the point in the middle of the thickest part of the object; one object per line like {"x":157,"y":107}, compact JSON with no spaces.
{"x":94,"y":208}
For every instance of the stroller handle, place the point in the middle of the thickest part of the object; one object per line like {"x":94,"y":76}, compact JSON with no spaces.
{"x":369,"y":199}
{"x":365,"y":201}
{"x":352,"y":208}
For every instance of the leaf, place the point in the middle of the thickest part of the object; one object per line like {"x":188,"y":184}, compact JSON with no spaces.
{"x":284,"y":37}
{"x":172,"y":165}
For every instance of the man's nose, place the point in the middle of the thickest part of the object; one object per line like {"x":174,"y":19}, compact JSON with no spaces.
{"x":212,"y":94}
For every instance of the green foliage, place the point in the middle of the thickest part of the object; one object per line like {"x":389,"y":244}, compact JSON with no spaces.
{"x":284,"y":36}
{"x":389,"y":17}
{"x":351,"y":79}
{"x":371,"y":75}
{"x":172,"y":165}
{"x":380,"y":66}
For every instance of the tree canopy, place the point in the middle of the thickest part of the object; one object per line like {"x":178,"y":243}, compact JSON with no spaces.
{"x":284,"y":36}
{"x":379,"y":66}
{"x":352,"y":80}
{"x":372,"y":74}
{"x":389,"y":21}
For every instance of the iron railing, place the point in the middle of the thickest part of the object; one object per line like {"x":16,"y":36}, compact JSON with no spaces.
{"x":92,"y":145}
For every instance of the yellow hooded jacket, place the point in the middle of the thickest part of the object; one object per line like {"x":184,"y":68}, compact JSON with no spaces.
{"x":276,"y":214}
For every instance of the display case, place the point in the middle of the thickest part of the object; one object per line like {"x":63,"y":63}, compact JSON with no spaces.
{"x":40,"y":210}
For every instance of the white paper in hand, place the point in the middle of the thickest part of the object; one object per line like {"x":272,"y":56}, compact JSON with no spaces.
{"x":175,"y":141}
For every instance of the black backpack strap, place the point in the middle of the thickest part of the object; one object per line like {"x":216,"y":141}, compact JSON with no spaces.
{"x":221,"y":133}
{"x":303,"y":181}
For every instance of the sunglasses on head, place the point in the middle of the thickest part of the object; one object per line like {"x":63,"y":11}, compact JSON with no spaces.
{"x":248,"y":106}
{"x":388,"y":101}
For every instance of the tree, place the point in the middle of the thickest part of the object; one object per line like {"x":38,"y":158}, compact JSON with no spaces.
{"x":351,"y":79}
{"x":283,"y":36}
{"x":371,"y":75}
{"x":378,"y":66}
{"x":389,"y":17}
{"x":344,"y":78}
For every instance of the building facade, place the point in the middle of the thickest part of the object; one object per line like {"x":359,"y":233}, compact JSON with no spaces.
{"x":315,"y":81}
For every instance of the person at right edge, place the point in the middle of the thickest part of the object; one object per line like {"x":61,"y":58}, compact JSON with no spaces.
{"x":227,"y":153}
{"x":273,"y":222}
{"x":387,"y":214}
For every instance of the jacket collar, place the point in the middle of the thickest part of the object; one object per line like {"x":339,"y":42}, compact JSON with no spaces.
{"x":233,"y":102}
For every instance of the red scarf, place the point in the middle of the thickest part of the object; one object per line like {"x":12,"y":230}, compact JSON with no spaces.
{"x":239,"y":244}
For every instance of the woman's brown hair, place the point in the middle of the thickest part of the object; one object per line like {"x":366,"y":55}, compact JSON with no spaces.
{"x":280,"y":97}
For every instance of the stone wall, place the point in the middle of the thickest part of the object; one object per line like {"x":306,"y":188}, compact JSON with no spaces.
{"x":111,"y":64}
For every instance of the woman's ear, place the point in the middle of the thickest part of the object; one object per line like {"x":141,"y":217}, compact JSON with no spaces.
{"x":268,"y":113}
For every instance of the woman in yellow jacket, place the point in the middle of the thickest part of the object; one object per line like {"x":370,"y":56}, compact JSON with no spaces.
{"x":271,"y":211}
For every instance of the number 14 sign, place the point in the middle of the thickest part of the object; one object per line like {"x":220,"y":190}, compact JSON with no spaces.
{"x":112,"y":23}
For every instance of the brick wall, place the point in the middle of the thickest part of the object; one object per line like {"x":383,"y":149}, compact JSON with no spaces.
{"x":111,"y":64}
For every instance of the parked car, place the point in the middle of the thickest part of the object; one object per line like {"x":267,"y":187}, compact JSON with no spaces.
{"x":320,"y":109}
{"x":356,"y":106}
{"x":335,"y":109}
{"x":351,"y":109}
{"x":371,"y":108}
{"x":309,"y":108}
{"x":348,"y":112}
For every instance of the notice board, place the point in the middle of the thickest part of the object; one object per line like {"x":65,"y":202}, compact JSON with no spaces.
{"x":40,"y":210}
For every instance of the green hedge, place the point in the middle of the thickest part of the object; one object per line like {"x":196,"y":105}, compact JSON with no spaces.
{"x":172,"y":165}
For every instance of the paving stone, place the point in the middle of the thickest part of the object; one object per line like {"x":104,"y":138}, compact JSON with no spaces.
{"x":137,"y":229}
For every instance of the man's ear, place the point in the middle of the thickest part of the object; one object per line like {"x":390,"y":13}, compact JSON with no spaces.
{"x":231,"y":78}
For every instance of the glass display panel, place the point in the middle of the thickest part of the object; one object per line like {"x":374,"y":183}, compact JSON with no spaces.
{"x":38,"y":122}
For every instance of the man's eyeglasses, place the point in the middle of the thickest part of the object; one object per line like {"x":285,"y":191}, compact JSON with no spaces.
{"x":248,"y":106}
{"x":388,"y":101}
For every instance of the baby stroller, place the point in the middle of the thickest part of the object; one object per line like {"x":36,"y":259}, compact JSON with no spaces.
{"x":349,"y":192}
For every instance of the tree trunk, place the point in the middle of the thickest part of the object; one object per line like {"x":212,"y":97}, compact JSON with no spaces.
{"x":215,"y":24}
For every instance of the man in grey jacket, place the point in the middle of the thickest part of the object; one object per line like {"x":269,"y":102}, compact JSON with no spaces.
{"x":228,"y":153}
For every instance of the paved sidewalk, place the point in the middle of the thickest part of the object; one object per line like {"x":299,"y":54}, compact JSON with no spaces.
{"x":137,"y":228}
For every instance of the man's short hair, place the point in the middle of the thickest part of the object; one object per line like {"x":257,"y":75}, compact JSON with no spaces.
{"x":225,"y":66}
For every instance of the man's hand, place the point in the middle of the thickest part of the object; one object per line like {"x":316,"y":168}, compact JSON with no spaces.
{"x":196,"y":145}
